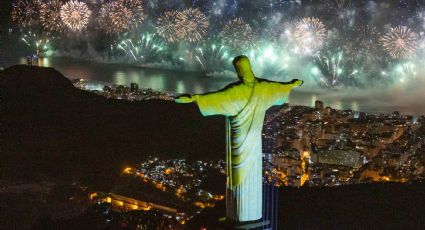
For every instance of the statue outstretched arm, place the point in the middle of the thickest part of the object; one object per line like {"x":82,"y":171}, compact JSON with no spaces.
{"x":293,"y":83}
{"x":214,"y":103}
{"x":185,"y":99}
{"x":297,"y":82}
{"x":280,"y":91}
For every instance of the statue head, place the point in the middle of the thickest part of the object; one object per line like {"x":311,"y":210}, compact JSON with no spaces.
{"x":243,"y":69}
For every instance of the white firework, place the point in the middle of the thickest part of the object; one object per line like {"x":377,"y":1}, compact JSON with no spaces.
{"x":114,"y":18}
{"x":26,"y":13}
{"x":309,"y":35}
{"x":134,"y":11}
{"x":167,"y":26}
{"x":237,"y":34}
{"x":193,"y":24}
{"x":50,"y":16}
{"x":400,"y":42}
{"x":75,"y":15}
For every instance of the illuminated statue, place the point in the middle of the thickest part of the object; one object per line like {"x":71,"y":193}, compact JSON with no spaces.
{"x":244,"y":104}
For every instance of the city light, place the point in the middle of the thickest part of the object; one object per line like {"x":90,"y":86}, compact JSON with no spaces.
{"x":355,"y":126}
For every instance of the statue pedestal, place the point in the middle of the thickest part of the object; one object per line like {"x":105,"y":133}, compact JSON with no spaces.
{"x":249,"y":225}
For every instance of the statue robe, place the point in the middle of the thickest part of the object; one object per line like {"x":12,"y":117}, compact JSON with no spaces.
{"x":244,"y":104}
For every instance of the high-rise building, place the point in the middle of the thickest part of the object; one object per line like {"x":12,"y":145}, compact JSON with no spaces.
{"x":318,"y":104}
{"x":134,"y":87}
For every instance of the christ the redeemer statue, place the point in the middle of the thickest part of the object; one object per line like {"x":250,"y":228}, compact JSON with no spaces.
{"x":244,"y":104}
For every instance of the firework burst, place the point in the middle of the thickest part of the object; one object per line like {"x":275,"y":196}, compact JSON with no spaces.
{"x":134,"y":9}
{"x":329,"y":70}
{"x":237,"y":34}
{"x":75,"y":15}
{"x":192,"y":24}
{"x":26,"y":13}
{"x":405,"y":72}
{"x":167,"y":26}
{"x":41,"y":45}
{"x":400,"y":42}
{"x":213,"y":57}
{"x":50,"y":16}
{"x":309,"y":35}
{"x":271,"y":60}
{"x":114,"y":18}
{"x":144,"y":49}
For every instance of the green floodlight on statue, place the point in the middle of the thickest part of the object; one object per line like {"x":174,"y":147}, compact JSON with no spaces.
{"x":244,"y":104}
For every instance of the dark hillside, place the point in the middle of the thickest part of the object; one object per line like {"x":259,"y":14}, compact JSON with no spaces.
{"x":51,"y":128}
{"x":361,"y":206}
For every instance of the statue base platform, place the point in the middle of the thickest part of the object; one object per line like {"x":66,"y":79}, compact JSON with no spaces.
{"x":248,"y":225}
